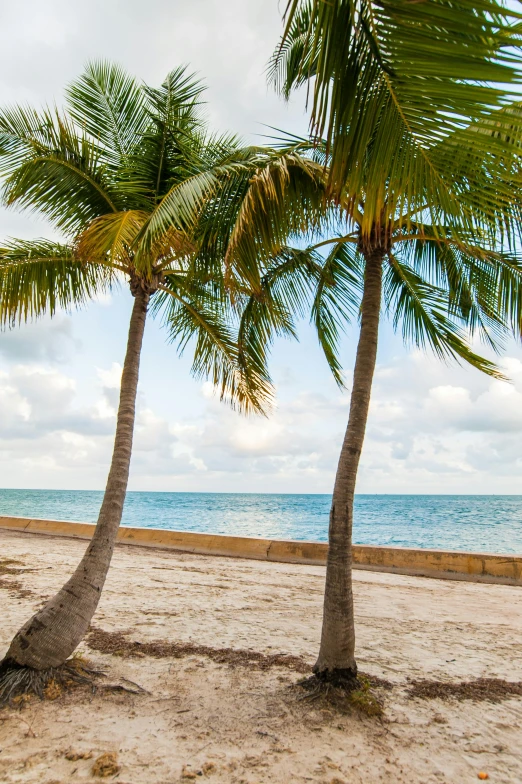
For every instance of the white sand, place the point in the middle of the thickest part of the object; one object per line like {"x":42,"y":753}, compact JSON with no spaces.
{"x":246,"y":721}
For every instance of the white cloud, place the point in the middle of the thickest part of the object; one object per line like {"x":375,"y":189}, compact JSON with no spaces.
{"x":111,"y":378}
{"x":228,"y":44}
{"x":422,"y":436}
{"x":45,"y":341}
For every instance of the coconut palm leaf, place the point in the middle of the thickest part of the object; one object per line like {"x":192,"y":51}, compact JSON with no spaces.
{"x":39,"y":277}
{"x":336,"y":301}
{"x":170,"y":148}
{"x":111,"y":238}
{"x":191,"y":315}
{"x":422,"y":310}
{"x":391,"y":81}
{"x":284,"y":291}
{"x":284,"y":198}
{"x":110,"y":105}
{"x":50,"y":166}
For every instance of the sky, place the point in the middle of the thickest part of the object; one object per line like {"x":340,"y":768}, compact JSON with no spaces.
{"x":432,"y":429}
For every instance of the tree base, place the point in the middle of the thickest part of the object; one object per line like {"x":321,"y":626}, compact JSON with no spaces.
{"x":17,"y":682}
{"x":341,"y":678}
{"x":342,"y":691}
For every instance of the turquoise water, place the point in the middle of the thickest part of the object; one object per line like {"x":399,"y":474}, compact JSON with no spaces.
{"x":472,"y":522}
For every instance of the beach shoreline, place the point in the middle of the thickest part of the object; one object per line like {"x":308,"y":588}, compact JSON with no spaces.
{"x":420,"y":562}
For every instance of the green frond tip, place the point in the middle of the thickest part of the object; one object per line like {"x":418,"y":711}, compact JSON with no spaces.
{"x":423,"y":311}
{"x":110,"y":105}
{"x":336,"y":301}
{"x":284,"y":196}
{"x":39,"y":277}
{"x":192,"y":314}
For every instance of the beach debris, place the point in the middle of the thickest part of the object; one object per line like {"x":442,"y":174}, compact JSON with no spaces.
{"x":119,"y":644}
{"x":364,"y":699}
{"x":21,"y":700}
{"x":106,"y":765}
{"x":478,"y":690}
{"x":29,"y":733}
{"x":6,"y":566}
{"x":74,"y":756}
{"x":135,"y":688}
{"x":15,"y":588}
{"x":482,"y":775}
{"x":53,"y":690}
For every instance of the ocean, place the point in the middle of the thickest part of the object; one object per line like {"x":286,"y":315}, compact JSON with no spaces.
{"x":480,"y":523}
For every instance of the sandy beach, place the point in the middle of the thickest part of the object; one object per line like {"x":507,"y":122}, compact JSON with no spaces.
{"x":217,"y":644}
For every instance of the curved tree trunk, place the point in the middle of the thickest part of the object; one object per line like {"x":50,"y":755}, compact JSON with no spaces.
{"x":336,"y":661}
{"x":52,"y":635}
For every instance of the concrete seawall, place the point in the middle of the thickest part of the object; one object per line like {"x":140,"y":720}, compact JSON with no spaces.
{"x":445,"y":564}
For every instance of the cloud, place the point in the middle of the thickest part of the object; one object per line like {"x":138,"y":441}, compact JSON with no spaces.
{"x":44,"y":340}
{"x":498,"y":409}
{"x":150,"y":41}
{"x":47,"y":435}
{"x":431,"y":437}
{"x":36,"y":401}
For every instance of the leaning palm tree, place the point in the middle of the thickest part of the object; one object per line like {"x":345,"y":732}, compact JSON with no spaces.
{"x":423,"y":182}
{"x":124,"y":174}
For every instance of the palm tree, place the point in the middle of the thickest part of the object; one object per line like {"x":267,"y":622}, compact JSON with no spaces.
{"x":421,"y":158}
{"x":126,"y":174}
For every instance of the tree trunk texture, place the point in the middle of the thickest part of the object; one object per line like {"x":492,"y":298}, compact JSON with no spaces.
{"x":336,"y":661}
{"x":52,"y":635}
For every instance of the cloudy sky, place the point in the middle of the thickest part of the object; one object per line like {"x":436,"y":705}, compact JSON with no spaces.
{"x":433,"y":429}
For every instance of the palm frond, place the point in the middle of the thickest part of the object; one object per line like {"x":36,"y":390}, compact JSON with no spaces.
{"x":39,"y":277}
{"x":422,"y":309}
{"x":336,"y":301}
{"x":286,"y":289}
{"x":184,"y":203}
{"x":485,"y":284}
{"x":110,"y":106}
{"x":49,"y":167}
{"x":285,"y":197}
{"x":191,"y":316}
{"x":111,"y":238}
{"x":294,"y":61}
{"x":392,"y":79}
{"x":170,"y":148}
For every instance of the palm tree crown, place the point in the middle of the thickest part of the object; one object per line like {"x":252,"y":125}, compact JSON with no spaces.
{"x":421,"y":158}
{"x":124,"y":174}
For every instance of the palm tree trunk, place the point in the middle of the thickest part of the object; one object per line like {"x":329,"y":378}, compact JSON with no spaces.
{"x":52,"y":635}
{"x":336,"y":661}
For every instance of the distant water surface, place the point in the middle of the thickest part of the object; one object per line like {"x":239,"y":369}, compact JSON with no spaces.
{"x":456,"y":522}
